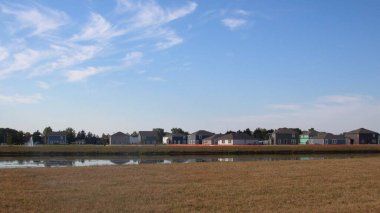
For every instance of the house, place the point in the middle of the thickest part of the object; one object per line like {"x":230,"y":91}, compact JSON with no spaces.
{"x":237,"y":139}
{"x":212,"y":140}
{"x":198,"y":136}
{"x":119,"y":138}
{"x":284,"y":136}
{"x":57,"y":138}
{"x":306,"y":135}
{"x":174,"y":138}
{"x":134,"y":138}
{"x":147,"y":137}
{"x":328,"y":138}
{"x":362,"y":136}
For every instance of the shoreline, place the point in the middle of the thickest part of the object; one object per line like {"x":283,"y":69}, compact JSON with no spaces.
{"x":185,"y":150}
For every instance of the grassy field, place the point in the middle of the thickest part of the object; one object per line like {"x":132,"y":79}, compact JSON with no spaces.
{"x":96,"y":150}
{"x":349,"y":185}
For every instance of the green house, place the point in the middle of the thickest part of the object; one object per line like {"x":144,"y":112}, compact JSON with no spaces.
{"x":306,"y":135}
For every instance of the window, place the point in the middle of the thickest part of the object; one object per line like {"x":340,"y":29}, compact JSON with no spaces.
{"x":293,"y":135}
{"x":279,"y":141}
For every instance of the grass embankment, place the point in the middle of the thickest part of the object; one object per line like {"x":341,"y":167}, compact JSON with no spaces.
{"x":349,"y":185}
{"x":94,"y":150}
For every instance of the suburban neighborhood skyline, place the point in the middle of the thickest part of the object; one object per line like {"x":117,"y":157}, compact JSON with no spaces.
{"x":126,"y":65}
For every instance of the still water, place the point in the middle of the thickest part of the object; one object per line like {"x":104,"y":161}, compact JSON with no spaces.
{"x":67,"y":162}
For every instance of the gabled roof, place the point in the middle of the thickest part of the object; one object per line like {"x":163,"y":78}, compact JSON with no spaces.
{"x":329,"y":136}
{"x":361,"y":131}
{"x":311,"y":133}
{"x":236,"y":136}
{"x":148,"y":133}
{"x":202,"y":132}
{"x":61,"y":133}
{"x":213,"y":137}
{"x":120,"y":133}
{"x":175,"y":135}
{"x":285,"y":131}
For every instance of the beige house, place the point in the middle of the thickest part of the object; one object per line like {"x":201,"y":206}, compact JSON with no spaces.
{"x":237,"y":139}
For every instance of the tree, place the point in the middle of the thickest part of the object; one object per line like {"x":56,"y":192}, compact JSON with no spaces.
{"x":298,"y":130}
{"x":134,"y":134}
{"x":229,"y":132}
{"x":178,"y":131}
{"x":262,"y":133}
{"x":81,"y":135}
{"x":47,"y":131}
{"x":104,"y":139}
{"x":37,"y":137}
{"x":247,"y":131}
{"x":70,"y":135}
{"x":160,"y":134}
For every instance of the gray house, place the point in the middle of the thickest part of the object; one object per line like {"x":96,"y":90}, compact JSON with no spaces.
{"x":198,"y":136}
{"x":284,"y":136}
{"x":174,"y":138}
{"x":212,"y":140}
{"x":147,"y":137}
{"x":237,"y":139}
{"x":57,"y":138}
{"x":119,"y":138}
{"x":327,"y":139}
{"x":362,"y":136}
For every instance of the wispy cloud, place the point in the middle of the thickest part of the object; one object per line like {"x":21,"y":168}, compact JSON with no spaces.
{"x":133,"y":58}
{"x":151,"y":18}
{"x":290,"y":107}
{"x":3,"y":53}
{"x":234,"y":23}
{"x":81,"y":75}
{"x":20,"y":99}
{"x":67,"y":56}
{"x":21,"y":61}
{"x":97,"y":29}
{"x":42,"y":85}
{"x":158,"y":79}
{"x":170,"y":39}
{"x":39,"y":19}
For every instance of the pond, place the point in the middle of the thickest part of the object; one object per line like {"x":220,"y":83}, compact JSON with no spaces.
{"x":81,"y":162}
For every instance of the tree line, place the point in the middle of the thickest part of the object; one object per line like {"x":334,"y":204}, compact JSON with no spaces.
{"x":14,"y":137}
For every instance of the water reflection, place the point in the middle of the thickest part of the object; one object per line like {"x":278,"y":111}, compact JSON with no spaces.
{"x":7,"y":163}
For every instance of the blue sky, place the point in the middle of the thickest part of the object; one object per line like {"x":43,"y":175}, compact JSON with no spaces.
{"x":125,"y":65}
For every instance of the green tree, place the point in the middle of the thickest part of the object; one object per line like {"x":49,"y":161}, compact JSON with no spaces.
{"x":247,"y":131}
{"x":135,"y":134}
{"x":81,"y":135}
{"x":47,"y":131}
{"x":37,"y":137}
{"x":70,"y":134}
{"x":160,"y":134}
{"x":179,"y":131}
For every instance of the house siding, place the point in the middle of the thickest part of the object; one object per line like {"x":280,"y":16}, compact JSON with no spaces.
{"x":119,"y":139}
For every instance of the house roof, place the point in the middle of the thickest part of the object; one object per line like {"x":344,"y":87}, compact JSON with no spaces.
{"x":236,"y":136}
{"x":329,"y":136}
{"x":285,"y":131}
{"x":175,"y":135}
{"x":202,"y":132}
{"x":311,"y":133}
{"x":361,"y":131}
{"x":61,"y":133}
{"x":213,"y":137}
{"x":119,"y":133}
{"x":148,"y":133}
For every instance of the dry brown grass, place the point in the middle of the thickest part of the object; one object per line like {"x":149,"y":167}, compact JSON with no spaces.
{"x":97,"y":150}
{"x":349,"y":185}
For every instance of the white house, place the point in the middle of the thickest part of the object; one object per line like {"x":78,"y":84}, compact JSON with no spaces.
{"x":237,"y":139}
